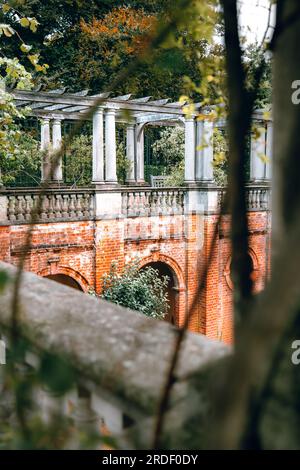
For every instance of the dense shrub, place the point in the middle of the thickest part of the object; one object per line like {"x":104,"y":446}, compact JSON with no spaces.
{"x":139,"y":289}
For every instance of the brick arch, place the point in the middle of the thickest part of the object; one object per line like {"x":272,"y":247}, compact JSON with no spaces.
{"x":256,"y":274}
{"x":179,"y":284}
{"x":67,"y":271}
{"x":171,"y":263}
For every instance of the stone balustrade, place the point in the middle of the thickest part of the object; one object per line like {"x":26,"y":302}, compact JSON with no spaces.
{"x":55,"y":205}
{"x":83,"y":204}
{"x":258,"y":197}
{"x":149,"y":202}
{"x":120,"y":359}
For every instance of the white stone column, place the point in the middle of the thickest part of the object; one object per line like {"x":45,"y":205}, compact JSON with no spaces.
{"x":258,"y":151}
{"x":110,"y":147}
{"x":269,"y":150}
{"x":130,"y":153}
{"x":45,"y":147}
{"x":98,"y":147}
{"x":190,"y":152}
{"x":204,"y":151}
{"x":45,"y":134}
{"x":57,"y":142}
{"x":140,"y":157}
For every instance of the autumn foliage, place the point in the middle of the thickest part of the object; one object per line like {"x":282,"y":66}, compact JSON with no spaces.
{"x":132,"y":28}
{"x":107,"y":44}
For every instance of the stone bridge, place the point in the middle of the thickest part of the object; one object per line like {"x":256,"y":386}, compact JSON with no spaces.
{"x":81,"y":232}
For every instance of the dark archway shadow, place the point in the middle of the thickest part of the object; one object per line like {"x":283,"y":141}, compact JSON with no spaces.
{"x":171,"y":290}
{"x":65,"y":280}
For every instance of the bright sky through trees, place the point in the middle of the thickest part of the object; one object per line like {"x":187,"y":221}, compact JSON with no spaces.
{"x":254,"y":18}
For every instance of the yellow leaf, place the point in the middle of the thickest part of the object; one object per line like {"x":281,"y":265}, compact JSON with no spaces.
{"x":5,"y":8}
{"x":7,"y":30}
{"x":24,"y":22}
{"x":33,"y":58}
{"x":33,"y":25}
{"x":264,"y":158}
{"x":25,"y":48}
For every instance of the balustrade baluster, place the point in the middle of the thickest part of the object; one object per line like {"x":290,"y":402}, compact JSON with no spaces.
{"x":124,"y":204}
{"x":249,"y":199}
{"x":257,"y":199}
{"x":135,"y":203}
{"x":11,"y":211}
{"x":130,"y":203}
{"x":72,"y":212}
{"x":20,"y":208}
{"x":78,"y":205}
{"x":44,"y":208}
{"x":173,"y":202}
{"x":164,"y":208}
{"x":141,"y":209}
{"x":28,"y":206}
{"x":58,"y":206}
{"x":169,"y":201}
{"x":35,"y":202}
{"x":159,"y":202}
{"x":153,"y":203}
{"x":51,"y":213}
{"x":147,"y":203}
{"x":86,"y":205}
{"x":65,"y":206}
{"x":264,"y":202}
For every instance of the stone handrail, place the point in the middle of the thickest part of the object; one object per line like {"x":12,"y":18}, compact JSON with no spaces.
{"x":152,"y":201}
{"x":121,"y":357}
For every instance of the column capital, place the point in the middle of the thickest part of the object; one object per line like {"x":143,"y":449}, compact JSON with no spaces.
{"x":110,"y":111}
{"x":99,"y":110}
{"x":45,"y":120}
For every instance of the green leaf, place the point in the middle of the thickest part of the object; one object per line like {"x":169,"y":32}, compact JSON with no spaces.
{"x":56,"y":373}
{"x":4,"y":278}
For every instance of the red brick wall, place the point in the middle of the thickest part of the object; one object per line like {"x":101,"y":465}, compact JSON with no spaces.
{"x":85,"y":251}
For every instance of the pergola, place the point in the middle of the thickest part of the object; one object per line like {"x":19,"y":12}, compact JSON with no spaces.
{"x":52,"y":107}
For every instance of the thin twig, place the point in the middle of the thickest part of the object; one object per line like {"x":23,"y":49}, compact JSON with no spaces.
{"x":55,"y":157}
{"x":180,"y":335}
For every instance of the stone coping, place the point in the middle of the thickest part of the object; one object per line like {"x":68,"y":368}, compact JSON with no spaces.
{"x":121,"y":351}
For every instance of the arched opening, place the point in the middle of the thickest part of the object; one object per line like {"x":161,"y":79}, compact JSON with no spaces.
{"x":65,"y":280}
{"x":253,"y":266}
{"x":171,"y":289}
